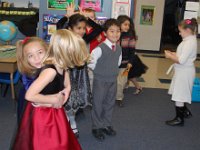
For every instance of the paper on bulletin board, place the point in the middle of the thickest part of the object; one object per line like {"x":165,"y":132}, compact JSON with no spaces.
{"x":58,"y":4}
{"x":49,"y":25}
{"x":120,"y":8}
{"x":192,"y":6}
{"x":190,"y":14}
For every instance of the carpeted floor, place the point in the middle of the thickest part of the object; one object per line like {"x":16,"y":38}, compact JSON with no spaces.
{"x":139,"y":125}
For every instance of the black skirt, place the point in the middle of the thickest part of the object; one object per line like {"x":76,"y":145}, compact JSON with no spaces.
{"x":80,"y":95}
{"x":138,"y":68}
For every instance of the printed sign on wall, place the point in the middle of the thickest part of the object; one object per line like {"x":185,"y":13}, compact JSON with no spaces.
{"x":49,"y":25}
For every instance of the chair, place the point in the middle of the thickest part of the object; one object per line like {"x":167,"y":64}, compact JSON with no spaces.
{"x":5,"y":79}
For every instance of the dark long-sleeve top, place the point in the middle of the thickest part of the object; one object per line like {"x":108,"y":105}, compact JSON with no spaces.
{"x":127,"y":42}
{"x":97,"y":29}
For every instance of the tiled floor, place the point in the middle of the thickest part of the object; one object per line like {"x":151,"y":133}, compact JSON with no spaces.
{"x":156,"y":76}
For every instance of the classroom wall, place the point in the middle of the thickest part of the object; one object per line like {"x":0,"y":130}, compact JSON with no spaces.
{"x":43,"y":10}
{"x":149,"y":36}
{"x":24,"y":4}
{"x":42,"y":4}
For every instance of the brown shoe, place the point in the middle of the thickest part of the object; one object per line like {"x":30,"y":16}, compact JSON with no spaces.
{"x":138,"y":91}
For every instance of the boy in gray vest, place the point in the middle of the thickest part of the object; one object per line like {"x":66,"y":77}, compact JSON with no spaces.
{"x":105,"y":62}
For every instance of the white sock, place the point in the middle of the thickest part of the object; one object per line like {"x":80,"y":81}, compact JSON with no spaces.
{"x":179,"y":104}
{"x":72,"y":121}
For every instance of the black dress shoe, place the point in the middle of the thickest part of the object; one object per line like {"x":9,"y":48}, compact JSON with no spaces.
{"x":98,"y":134}
{"x":175,"y":122}
{"x":120,"y":103}
{"x":179,"y":119}
{"x":77,"y":135}
{"x":186,"y":112}
{"x":76,"y":132}
{"x":109,"y":131}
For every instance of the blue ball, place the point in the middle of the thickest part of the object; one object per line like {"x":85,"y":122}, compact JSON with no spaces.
{"x":8,"y":31}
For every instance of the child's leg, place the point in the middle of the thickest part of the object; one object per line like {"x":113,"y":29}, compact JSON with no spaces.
{"x":108,"y":103}
{"x":136,"y":84}
{"x":179,"y":118}
{"x":187,"y":112}
{"x":108,"y":106}
{"x":127,"y":84}
{"x":91,"y":77}
{"x":121,"y":81}
{"x":97,"y":108}
{"x":71,"y":118}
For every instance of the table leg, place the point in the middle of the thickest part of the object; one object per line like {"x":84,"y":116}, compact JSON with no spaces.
{"x":12,"y":86}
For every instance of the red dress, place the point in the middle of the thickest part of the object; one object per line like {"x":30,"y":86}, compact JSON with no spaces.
{"x":43,"y":128}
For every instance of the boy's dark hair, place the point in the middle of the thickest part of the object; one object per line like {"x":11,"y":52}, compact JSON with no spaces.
{"x":109,"y":23}
{"x":75,"y":19}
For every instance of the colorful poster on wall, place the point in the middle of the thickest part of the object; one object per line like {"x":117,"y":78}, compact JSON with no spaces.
{"x":147,"y":15}
{"x":49,"y":25}
{"x":121,"y":7}
{"x":97,"y":5}
{"x":58,"y":4}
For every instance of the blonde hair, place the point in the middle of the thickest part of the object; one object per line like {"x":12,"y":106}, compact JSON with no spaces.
{"x":22,"y":62}
{"x":66,"y":50}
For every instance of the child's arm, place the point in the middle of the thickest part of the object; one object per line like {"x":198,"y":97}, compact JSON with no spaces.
{"x":67,"y":89}
{"x":62,"y":23}
{"x":33,"y":93}
{"x":97,"y":29}
{"x":95,"y":55}
{"x":120,"y":59}
{"x":131,"y":45}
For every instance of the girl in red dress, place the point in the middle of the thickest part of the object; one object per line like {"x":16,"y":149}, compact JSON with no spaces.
{"x":44,"y":124}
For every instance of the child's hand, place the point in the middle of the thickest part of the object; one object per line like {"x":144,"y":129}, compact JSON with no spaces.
{"x":81,"y":11}
{"x":84,"y":13}
{"x":65,"y":93}
{"x":59,"y":99}
{"x":70,"y":10}
{"x":90,"y":59}
{"x":168,"y":53}
{"x":129,"y":65}
{"x":99,"y":38}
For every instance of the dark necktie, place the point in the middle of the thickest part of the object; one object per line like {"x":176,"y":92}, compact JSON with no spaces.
{"x":113,"y":48}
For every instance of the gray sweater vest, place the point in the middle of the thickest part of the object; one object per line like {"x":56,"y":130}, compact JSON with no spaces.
{"x":107,"y":65}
